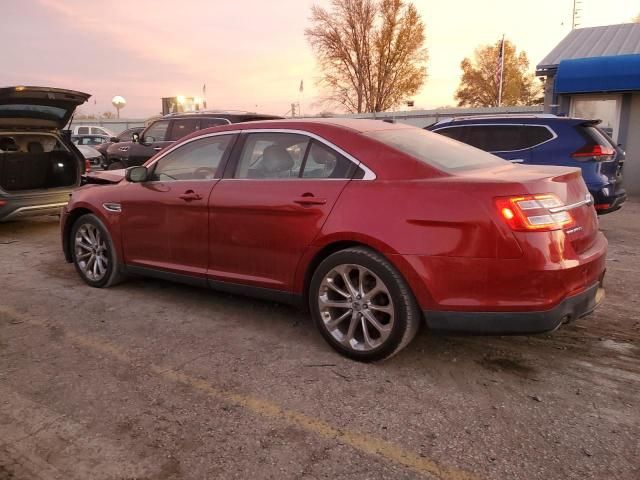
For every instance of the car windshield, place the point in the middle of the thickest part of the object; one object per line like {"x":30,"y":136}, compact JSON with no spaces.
{"x":436,"y":150}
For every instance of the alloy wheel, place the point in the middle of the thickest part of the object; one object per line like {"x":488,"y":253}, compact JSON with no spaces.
{"x":356,"y":307}
{"x":91,"y":252}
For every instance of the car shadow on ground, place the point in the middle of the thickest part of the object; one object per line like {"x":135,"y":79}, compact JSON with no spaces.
{"x":520,"y":356}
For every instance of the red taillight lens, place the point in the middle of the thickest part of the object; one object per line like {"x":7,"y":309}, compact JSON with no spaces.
{"x":533,"y":212}
{"x":87,"y":165}
{"x":596,"y":151}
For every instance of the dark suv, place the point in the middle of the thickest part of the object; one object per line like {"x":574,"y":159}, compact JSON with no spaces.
{"x":166,"y":130}
{"x":549,"y":140}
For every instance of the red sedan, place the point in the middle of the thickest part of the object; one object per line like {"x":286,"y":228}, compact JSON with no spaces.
{"x":373,"y":226}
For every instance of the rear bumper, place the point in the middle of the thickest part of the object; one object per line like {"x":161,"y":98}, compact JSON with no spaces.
{"x":518,"y":323}
{"x":21,"y":206}
{"x":610,"y":204}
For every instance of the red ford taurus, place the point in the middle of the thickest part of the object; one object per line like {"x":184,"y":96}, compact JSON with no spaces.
{"x":373,"y":226}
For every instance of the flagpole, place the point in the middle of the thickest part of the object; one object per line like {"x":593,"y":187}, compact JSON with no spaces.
{"x":300,"y":102}
{"x":501,"y":71}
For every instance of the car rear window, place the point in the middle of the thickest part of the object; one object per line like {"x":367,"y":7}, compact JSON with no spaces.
{"x":598,"y":136}
{"x":55,"y":112}
{"x":436,"y":150}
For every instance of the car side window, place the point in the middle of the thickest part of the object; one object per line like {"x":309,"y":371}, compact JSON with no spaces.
{"x":323,"y":162}
{"x":196,"y":160}
{"x":456,"y":133}
{"x":537,"y":135}
{"x":83,"y":130}
{"x":272,"y":155}
{"x":157,"y":131}
{"x":182,"y":127}
{"x":497,"y":138}
{"x":212,"y":122}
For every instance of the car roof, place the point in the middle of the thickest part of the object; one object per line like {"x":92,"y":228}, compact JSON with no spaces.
{"x":81,"y":135}
{"x":229,"y":114}
{"x":353,"y":124}
{"x":511,"y":118}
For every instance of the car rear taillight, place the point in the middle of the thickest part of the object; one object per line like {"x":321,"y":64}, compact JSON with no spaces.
{"x":599,"y":153}
{"x":87,"y":165}
{"x":534,"y":212}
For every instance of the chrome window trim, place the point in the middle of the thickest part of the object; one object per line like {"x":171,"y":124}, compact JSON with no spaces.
{"x":555,"y":135}
{"x":368,"y":173}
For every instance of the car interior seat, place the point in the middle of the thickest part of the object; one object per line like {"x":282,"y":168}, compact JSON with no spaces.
{"x":35,"y":147}
{"x":275,"y":160}
{"x":8,"y":144}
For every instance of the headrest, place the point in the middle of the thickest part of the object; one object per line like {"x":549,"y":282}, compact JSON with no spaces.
{"x":276,"y":159}
{"x":35,"y":147}
{"x":8,"y":144}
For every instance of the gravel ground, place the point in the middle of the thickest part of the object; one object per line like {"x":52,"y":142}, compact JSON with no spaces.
{"x":153,"y":380}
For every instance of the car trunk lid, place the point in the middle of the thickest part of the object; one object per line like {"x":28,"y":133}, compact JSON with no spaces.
{"x":39,"y":107}
{"x":536,"y":195}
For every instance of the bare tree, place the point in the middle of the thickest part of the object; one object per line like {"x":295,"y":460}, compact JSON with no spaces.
{"x":371,"y":53}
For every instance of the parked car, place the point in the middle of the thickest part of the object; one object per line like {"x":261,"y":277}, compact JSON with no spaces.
{"x":372,"y":225}
{"x":549,"y":140}
{"x":166,"y":130}
{"x":39,"y":166}
{"x":91,"y":130}
{"x":91,"y":140}
{"x":125,"y":136}
{"x":92,"y":156}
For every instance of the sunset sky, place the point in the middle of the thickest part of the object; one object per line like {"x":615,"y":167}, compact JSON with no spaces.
{"x":252,"y":54}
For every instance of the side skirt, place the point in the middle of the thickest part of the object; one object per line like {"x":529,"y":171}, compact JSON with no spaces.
{"x":268,"y":294}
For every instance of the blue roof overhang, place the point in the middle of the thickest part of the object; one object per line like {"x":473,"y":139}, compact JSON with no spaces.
{"x":599,"y":74}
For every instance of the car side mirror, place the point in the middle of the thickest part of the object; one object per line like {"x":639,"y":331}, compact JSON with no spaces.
{"x":135,"y":137}
{"x":136,"y":174}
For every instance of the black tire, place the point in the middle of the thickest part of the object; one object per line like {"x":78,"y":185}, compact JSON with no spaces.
{"x":112,"y":275}
{"x":406,"y":314}
{"x":117,"y":165}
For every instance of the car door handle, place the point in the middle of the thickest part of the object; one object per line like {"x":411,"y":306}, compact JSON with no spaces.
{"x":310,"y":200}
{"x":189,"y":195}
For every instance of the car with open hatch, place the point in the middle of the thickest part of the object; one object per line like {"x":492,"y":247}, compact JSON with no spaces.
{"x":374,"y":227}
{"x":39,"y":165}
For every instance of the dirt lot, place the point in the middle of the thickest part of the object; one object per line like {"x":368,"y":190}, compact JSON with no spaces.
{"x":153,"y":380}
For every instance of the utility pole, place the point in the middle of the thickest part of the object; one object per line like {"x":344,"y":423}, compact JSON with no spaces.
{"x":575,"y":14}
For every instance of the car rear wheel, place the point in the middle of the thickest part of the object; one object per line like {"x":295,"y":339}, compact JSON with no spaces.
{"x":94,"y":255}
{"x":362,"y":305}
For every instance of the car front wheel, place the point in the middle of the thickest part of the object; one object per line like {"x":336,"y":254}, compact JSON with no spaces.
{"x":93,"y":252}
{"x":362,"y":305}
